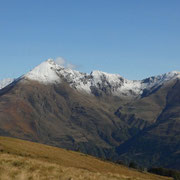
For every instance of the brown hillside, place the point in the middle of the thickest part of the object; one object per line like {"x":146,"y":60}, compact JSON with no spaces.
{"x":26,"y":160}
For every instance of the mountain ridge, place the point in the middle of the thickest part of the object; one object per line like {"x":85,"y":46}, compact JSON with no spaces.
{"x":97,"y":82}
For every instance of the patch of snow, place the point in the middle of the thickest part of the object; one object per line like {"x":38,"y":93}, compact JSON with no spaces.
{"x":5,"y":82}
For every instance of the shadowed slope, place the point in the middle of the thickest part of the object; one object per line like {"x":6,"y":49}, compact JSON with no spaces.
{"x":158,"y":144}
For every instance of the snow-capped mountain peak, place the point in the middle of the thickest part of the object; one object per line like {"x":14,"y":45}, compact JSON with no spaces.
{"x":160,"y":79}
{"x":97,"y":82}
{"x":44,"y":73}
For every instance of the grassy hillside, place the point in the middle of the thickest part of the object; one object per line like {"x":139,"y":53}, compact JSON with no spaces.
{"x":26,"y":160}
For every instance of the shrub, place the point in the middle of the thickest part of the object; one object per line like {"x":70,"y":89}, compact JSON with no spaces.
{"x":165,"y":172}
{"x":133,"y":165}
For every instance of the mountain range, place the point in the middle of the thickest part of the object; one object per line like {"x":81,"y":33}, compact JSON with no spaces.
{"x":101,"y":114}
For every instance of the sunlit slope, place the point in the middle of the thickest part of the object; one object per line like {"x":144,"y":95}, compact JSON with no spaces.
{"x":26,"y":160}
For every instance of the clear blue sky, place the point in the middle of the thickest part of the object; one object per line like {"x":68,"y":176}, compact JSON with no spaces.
{"x":135,"y":38}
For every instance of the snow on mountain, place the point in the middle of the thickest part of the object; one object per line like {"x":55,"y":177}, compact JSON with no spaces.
{"x":45,"y":72}
{"x":5,"y":82}
{"x":96,"y":82}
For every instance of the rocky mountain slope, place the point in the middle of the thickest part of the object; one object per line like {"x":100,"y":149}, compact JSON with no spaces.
{"x":159,"y":143}
{"x":101,"y":114}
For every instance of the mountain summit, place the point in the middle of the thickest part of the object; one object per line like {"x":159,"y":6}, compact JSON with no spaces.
{"x":46,"y":72}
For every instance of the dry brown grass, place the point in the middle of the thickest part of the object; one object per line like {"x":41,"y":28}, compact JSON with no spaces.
{"x":21,"y":168}
{"x":21,"y":160}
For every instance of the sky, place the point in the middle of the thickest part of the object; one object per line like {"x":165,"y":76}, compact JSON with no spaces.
{"x":133,"y":38}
